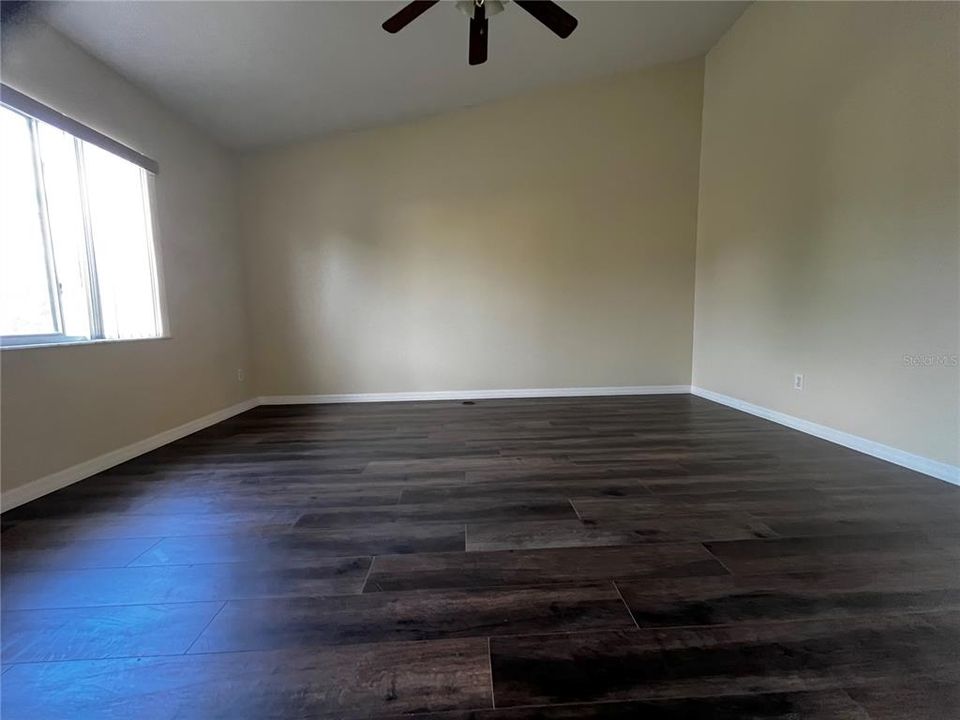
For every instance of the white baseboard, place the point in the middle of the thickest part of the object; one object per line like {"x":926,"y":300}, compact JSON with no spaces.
{"x":474,"y":394}
{"x":42,"y":486}
{"x":939,"y":470}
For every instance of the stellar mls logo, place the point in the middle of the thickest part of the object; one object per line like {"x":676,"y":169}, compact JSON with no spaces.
{"x":931,"y":360}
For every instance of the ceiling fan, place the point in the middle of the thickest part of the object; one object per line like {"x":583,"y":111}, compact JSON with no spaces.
{"x":549,"y":13}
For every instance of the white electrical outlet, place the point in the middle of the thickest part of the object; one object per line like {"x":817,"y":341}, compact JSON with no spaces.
{"x":798,"y":381}
{"x":240,"y":375}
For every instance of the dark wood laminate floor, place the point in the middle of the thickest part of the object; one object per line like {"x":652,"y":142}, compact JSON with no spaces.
{"x":656,"y":557}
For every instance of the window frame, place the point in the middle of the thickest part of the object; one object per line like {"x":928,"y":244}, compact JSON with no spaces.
{"x":35,"y":112}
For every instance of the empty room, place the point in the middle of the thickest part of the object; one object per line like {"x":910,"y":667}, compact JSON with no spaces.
{"x":480,"y":360}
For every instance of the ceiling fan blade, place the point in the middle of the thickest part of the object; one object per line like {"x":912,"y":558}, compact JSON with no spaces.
{"x":551,"y":15}
{"x":407,"y":14}
{"x":10,"y":10}
{"x":478,"y":36}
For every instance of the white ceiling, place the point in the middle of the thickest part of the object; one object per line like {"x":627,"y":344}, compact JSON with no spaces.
{"x":260,"y":73}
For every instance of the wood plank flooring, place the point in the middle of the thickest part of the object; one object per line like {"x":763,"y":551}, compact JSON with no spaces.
{"x":654,"y":558}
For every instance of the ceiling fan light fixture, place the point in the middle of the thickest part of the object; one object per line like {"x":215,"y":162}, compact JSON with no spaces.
{"x":493,"y":7}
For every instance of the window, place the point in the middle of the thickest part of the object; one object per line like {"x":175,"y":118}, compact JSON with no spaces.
{"x":77,"y":258}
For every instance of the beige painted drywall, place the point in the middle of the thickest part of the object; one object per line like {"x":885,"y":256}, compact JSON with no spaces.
{"x":542,"y":241}
{"x":828,"y":227}
{"x":66,"y":405}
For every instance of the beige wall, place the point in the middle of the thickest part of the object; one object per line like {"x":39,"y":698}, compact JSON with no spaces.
{"x":828,"y":228}
{"x":65,"y":405}
{"x":543,"y":241}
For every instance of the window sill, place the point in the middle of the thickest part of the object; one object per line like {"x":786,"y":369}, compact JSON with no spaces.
{"x":75,"y":343}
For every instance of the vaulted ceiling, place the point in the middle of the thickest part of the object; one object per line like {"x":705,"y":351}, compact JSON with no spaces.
{"x":261,"y":73}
